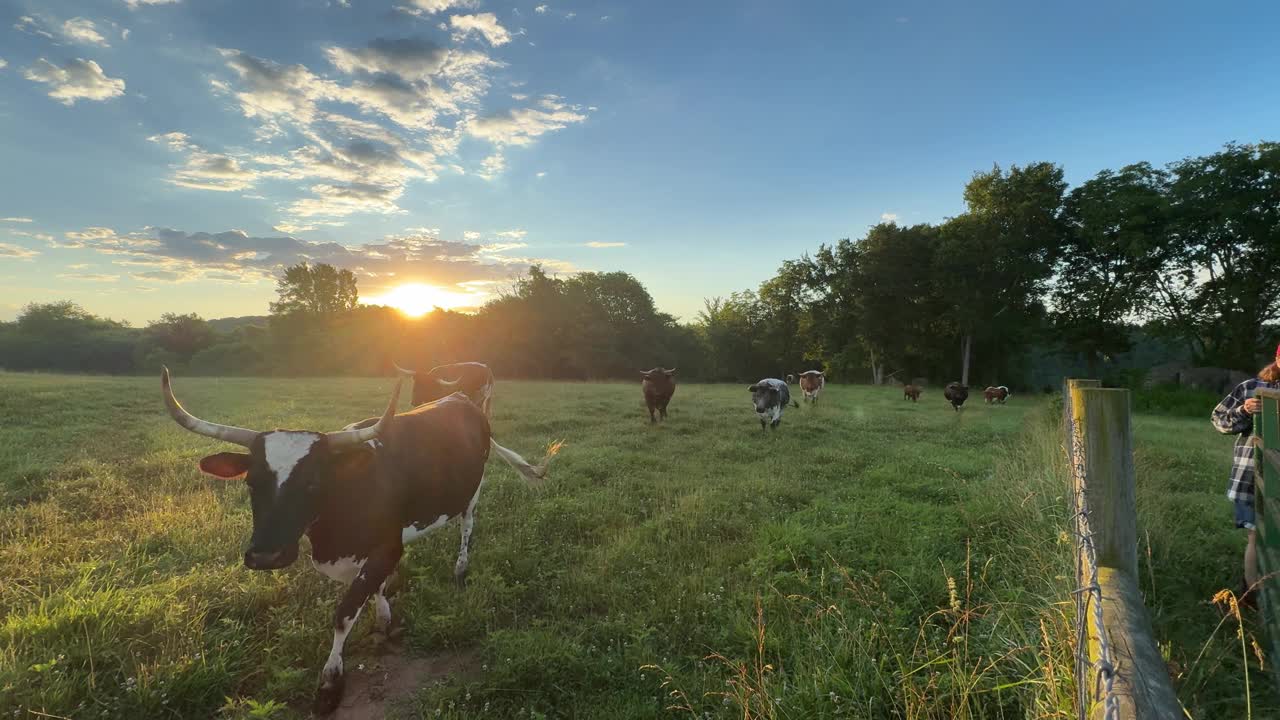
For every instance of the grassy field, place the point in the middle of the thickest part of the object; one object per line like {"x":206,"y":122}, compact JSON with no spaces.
{"x":871,"y":559}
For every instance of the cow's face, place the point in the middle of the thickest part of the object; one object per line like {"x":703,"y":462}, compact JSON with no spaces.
{"x":765,"y":396}
{"x":658,"y":376}
{"x":286,"y":472}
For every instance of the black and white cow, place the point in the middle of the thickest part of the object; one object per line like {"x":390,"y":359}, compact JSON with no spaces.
{"x":770,"y":396}
{"x":473,"y":379}
{"x":359,"y":495}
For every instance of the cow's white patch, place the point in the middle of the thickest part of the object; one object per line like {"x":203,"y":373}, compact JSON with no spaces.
{"x":333,"y":666}
{"x":468,"y":523}
{"x":285,"y":449}
{"x":415,"y":531}
{"x":344,"y":569}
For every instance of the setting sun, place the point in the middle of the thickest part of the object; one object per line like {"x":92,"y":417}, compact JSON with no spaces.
{"x":414,"y":299}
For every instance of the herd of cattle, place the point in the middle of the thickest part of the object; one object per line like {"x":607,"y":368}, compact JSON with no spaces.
{"x":361,"y":493}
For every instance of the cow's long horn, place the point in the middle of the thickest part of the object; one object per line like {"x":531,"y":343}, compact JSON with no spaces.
{"x":347,"y":438}
{"x":229,"y":433}
{"x":402,"y":371}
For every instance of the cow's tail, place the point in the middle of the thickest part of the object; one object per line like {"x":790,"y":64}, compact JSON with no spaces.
{"x":533,"y":474}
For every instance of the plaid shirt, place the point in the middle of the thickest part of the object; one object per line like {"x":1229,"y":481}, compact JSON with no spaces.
{"x":1230,"y":418}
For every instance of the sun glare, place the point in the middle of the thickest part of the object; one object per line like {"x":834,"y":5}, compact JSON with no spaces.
{"x":415,"y":299}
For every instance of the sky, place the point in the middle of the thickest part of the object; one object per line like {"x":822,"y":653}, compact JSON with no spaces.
{"x":173,"y":155}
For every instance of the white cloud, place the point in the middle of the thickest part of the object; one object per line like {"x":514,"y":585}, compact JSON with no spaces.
{"x":204,"y":170}
{"x":135,"y":4}
{"x":604,"y":18}
{"x":33,"y":25}
{"x":90,"y":277}
{"x":431,"y":7}
{"x":513,"y":234}
{"x":471,"y":235}
{"x":570,"y":15}
{"x":597,"y":244}
{"x":541,"y":174}
{"x":492,"y":166}
{"x":3,"y":63}
{"x":410,"y":58}
{"x":541,"y":9}
{"x":888,"y":217}
{"x":16,"y":252}
{"x":83,"y":31}
{"x":521,"y":126}
{"x":76,"y":80}
{"x":486,"y":24}
{"x":124,"y":34}
{"x":16,"y":219}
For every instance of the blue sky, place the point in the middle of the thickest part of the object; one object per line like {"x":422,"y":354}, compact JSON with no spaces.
{"x":172,"y":155}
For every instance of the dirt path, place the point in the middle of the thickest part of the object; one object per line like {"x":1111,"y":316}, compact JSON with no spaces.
{"x":392,"y":676}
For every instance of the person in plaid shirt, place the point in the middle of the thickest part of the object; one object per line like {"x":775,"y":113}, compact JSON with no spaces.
{"x":1234,"y":416}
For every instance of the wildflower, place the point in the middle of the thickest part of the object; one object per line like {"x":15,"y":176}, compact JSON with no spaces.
{"x":954,"y":596}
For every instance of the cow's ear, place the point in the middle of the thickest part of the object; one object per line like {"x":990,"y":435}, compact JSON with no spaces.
{"x":226,"y":465}
{"x":753,"y":388}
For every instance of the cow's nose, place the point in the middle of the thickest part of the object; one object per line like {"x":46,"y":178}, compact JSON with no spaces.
{"x":255,"y":560}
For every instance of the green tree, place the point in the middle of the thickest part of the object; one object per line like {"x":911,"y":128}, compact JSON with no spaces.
{"x":1117,"y":224}
{"x":1218,"y":289}
{"x":182,"y":335}
{"x":993,"y":262}
{"x":319,"y":289}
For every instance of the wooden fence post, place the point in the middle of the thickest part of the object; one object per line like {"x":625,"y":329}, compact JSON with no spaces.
{"x":1100,"y":437}
{"x":1110,"y":488}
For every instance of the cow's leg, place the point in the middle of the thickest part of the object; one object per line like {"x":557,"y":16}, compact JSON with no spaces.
{"x":652,"y":419}
{"x":468,"y":524}
{"x":371,"y":580}
{"x":762,"y":424}
{"x":662,"y":411}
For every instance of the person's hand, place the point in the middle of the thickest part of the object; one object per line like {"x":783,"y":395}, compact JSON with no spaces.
{"x":1253,"y":406}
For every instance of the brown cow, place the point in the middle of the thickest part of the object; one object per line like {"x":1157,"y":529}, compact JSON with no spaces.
{"x":998,"y":394}
{"x":812,"y":382}
{"x":911,"y":391}
{"x":473,"y":379}
{"x":658,"y":386}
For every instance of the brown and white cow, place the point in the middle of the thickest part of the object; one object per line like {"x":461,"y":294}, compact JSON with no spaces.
{"x":359,"y":494}
{"x":658,"y":386}
{"x":473,"y":379}
{"x":999,"y":394}
{"x":911,"y":391}
{"x":811,"y":383}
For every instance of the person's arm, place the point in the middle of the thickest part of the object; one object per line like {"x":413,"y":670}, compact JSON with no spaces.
{"x":1231,"y":417}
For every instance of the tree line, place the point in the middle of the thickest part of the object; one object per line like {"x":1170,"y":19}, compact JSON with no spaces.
{"x":1184,"y":256}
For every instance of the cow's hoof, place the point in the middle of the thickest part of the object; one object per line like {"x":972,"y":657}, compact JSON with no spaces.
{"x":328,"y":696}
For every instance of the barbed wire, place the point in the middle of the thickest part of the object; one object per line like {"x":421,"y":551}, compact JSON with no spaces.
{"x":1086,"y":553}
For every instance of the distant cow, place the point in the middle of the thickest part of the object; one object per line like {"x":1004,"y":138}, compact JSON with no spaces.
{"x":956,"y":394}
{"x":658,"y":386}
{"x":473,"y":379}
{"x":359,"y":495}
{"x":811,"y":383}
{"x":791,"y":379}
{"x":911,"y":391}
{"x":770,"y":396}
{"x":998,"y":394}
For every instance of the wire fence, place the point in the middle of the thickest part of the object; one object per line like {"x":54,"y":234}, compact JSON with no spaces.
{"x":1088,"y":594}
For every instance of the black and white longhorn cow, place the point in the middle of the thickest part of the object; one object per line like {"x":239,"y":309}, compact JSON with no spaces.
{"x":359,"y":494}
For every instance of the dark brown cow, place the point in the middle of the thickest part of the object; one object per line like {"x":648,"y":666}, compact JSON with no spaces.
{"x":811,"y":383}
{"x":658,"y":386}
{"x":998,"y":394}
{"x":956,"y":394}
{"x":911,"y":391}
{"x":473,"y":379}
{"x":359,"y":494}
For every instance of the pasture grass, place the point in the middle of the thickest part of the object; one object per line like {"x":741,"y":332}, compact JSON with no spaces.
{"x":872,"y":558}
